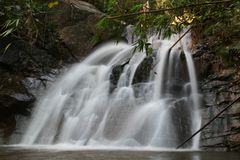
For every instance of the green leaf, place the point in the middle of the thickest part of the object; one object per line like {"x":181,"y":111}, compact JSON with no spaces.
{"x":136,"y":8}
{"x":17,"y":22}
{"x":103,"y":23}
{"x":6,"y":24}
{"x":6,"y":48}
{"x":7,"y":32}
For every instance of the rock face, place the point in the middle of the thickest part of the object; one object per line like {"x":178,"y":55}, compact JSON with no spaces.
{"x":220,"y":85}
{"x":26,"y":69}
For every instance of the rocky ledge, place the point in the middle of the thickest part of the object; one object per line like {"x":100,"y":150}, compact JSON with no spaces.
{"x":220,"y":85}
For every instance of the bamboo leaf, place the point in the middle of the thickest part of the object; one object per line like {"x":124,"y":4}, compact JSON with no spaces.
{"x":7,"y":32}
{"x":6,"y":24}
{"x":17,"y":22}
{"x":6,"y":48}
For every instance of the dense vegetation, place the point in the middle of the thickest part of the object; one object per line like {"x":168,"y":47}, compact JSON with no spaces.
{"x":216,"y":19}
{"x":26,"y":20}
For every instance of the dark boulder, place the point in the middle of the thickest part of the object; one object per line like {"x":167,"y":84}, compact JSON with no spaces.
{"x":115,"y":75}
{"x":21,"y":56}
{"x":143,"y":71}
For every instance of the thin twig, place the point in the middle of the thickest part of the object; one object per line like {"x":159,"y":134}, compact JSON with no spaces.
{"x":209,"y":122}
{"x":179,"y":40}
{"x":168,"y":9}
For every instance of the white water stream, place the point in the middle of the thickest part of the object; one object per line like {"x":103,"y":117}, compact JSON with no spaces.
{"x":84,"y":108}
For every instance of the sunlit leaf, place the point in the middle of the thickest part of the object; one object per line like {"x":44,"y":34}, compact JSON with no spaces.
{"x":7,"y":32}
{"x":53,"y":4}
{"x":6,"y":48}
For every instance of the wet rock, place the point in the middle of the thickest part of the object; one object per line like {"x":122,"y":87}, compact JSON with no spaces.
{"x":143,"y":71}
{"x":115,"y":75}
{"x":7,"y":127}
{"x":208,"y":64}
{"x":16,"y":104}
{"x":181,"y":115}
{"x":141,"y":75}
{"x":235,"y":110}
{"x":12,"y":103}
{"x":33,"y":85}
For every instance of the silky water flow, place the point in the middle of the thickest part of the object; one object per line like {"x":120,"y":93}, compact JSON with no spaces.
{"x":85,"y":108}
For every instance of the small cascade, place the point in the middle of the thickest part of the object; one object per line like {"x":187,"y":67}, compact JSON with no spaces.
{"x":113,"y":99}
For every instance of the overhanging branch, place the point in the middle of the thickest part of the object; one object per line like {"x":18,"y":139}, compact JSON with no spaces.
{"x":168,"y":9}
{"x":185,"y":33}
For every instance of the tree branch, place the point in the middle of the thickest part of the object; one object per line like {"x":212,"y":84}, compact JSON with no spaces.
{"x":209,"y":122}
{"x":179,"y":40}
{"x":168,"y":9}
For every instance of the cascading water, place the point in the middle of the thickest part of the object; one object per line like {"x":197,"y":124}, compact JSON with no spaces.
{"x":87,"y":108}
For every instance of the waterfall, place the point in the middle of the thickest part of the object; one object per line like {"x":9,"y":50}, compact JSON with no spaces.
{"x":103,"y":102}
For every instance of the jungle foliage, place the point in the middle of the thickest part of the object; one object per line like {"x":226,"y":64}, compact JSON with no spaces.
{"x":206,"y":17}
{"x":26,"y":20}
{"x":218,"y":20}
